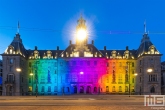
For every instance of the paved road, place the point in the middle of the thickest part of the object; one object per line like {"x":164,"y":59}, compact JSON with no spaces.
{"x":77,"y":102}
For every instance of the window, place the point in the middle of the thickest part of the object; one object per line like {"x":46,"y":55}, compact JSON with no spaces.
{"x":49,"y":88}
{"x":140,"y":62}
{"x":120,"y":78}
{"x":30,"y":64}
{"x":107,"y":80}
{"x":140,"y":70}
{"x":140,"y":79}
{"x":120,"y":64}
{"x":126,"y":88}
{"x":81,"y":63}
{"x":113,"y":89}
{"x":152,"y":78}
{"x":132,"y":80}
{"x":29,"y":80}
{"x":95,"y":63}
{"x":152,"y":90}
{"x":22,"y":79}
{"x":11,"y":68}
{"x":120,"y":89}
{"x":132,"y":64}
{"x":61,"y":63}
{"x":113,"y":77}
{"x":55,"y":64}
{"x":11,"y":51}
{"x":74,"y":63}
{"x":55,"y":72}
{"x":107,"y":64}
{"x":107,"y":88}
{"x":126,"y":77}
{"x":55,"y":88}
{"x":10,"y":77}
{"x":88,"y":63}
{"x":132,"y":71}
{"x":11,"y":61}
{"x":42,"y":89}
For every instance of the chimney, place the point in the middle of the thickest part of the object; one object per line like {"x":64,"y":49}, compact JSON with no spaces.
{"x":92,"y":42}
{"x":126,"y":47}
{"x":35,"y":47}
{"x":104,"y":47}
{"x":57,"y":47}
{"x":70,"y":42}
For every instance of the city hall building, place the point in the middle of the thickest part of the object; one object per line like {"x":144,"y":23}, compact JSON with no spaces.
{"x":81,"y":68}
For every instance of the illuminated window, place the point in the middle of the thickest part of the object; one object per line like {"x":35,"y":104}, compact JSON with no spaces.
{"x":120,"y":64}
{"x":120,"y":89}
{"x":113,"y":89}
{"x":11,"y":51}
{"x":107,"y":88}
{"x":49,"y":88}
{"x":126,"y":88}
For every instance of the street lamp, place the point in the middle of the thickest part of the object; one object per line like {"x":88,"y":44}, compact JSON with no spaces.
{"x":19,"y":70}
{"x":149,"y":70}
{"x":31,"y":74}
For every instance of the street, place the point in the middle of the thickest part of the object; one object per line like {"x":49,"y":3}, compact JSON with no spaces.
{"x":74,"y":102}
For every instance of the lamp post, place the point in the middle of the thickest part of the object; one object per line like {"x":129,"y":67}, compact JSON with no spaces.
{"x":19,"y":70}
{"x":31,"y":74}
{"x":128,"y":63}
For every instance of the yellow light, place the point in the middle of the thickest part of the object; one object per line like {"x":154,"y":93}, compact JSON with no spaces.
{"x":149,"y":70}
{"x":18,"y":69}
{"x":81,"y":34}
{"x":31,"y":74}
{"x":135,"y":74}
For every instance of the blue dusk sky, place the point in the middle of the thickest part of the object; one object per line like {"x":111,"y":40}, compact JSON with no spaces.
{"x":112,"y":23}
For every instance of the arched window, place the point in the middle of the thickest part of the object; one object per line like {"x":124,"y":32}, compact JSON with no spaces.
{"x":113,"y":77}
{"x":120,"y":89}
{"x":152,"y":90}
{"x":126,"y":77}
{"x":126,"y":88}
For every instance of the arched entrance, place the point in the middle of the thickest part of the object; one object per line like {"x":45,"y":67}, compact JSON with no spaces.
{"x":95,"y":89}
{"x":81,"y":89}
{"x":75,"y":89}
{"x":88,"y":89}
{"x":107,"y":88}
{"x":152,"y":90}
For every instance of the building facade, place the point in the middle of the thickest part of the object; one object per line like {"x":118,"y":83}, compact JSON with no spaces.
{"x":81,"y":68}
{"x":0,"y":77}
{"x":163,"y":78}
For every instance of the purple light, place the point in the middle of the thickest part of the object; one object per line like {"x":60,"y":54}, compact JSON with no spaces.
{"x":81,"y":72}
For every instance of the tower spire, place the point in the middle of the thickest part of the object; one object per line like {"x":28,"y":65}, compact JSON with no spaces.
{"x":18,"y":26}
{"x":145,"y":27}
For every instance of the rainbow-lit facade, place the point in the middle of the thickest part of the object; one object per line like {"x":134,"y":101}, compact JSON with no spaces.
{"x":81,"y":69}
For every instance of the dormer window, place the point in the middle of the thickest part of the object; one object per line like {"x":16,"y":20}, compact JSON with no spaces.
{"x":11,"y":51}
{"x":49,"y":54}
{"x":113,"y":54}
{"x":152,"y":50}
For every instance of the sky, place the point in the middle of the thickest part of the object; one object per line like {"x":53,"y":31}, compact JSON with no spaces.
{"x":111,"y":23}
